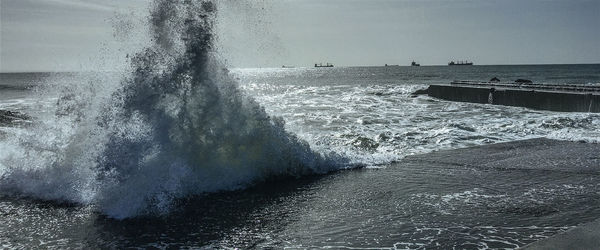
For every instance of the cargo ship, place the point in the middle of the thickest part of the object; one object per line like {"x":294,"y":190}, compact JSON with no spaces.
{"x":320,"y":65}
{"x":459,"y":63}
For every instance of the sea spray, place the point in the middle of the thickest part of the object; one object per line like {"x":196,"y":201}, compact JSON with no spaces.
{"x":176,"y":125}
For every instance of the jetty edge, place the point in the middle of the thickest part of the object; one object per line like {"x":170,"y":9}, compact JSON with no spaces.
{"x":586,"y":236}
{"x":520,"y":93}
{"x":539,"y":154}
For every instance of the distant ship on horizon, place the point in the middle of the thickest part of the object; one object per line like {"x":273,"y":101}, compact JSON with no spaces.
{"x":459,"y":63}
{"x":320,"y":65}
{"x":415,"y":64}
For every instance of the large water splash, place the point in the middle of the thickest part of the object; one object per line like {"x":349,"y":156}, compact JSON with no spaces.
{"x":176,"y":125}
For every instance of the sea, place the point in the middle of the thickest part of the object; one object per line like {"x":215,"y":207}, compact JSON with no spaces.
{"x":180,"y":150}
{"x":370,"y":199}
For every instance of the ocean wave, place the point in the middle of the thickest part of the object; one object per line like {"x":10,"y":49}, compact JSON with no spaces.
{"x":176,"y":125}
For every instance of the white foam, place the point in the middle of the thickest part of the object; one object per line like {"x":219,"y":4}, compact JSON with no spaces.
{"x":177,"y":125}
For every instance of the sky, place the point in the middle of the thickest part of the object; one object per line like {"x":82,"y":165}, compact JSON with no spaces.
{"x":75,"y":35}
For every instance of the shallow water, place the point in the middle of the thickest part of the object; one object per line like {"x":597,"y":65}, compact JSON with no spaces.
{"x":406,"y":205}
{"x":370,"y":114}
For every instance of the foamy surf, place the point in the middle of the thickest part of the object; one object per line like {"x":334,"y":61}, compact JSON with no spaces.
{"x":176,"y":125}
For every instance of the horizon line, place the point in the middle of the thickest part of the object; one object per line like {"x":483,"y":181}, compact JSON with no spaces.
{"x":342,"y":66}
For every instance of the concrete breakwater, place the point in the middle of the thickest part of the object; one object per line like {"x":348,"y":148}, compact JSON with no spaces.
{"x":566,"y":98}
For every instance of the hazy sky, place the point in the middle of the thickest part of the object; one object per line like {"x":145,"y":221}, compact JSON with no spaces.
{"x":70,"y":35}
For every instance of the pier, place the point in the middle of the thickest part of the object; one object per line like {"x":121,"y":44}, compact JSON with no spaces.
{"x":521,"y":93}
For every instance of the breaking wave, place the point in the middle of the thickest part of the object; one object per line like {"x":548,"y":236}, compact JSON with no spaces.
{"x":176,"y":125}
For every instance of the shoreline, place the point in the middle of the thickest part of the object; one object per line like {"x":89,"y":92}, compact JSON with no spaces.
{"x":533,"y":154}
{"x":537,"y":153}
{"x":584,"y":236}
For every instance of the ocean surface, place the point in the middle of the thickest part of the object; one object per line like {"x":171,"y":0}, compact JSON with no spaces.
{"x":370,"y":109}
{"x":368,"y":119}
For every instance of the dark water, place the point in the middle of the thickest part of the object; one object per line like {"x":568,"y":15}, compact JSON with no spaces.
{"x":409,"y":204}
{"x":16,"y":87}
{"x":406,"y":205}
